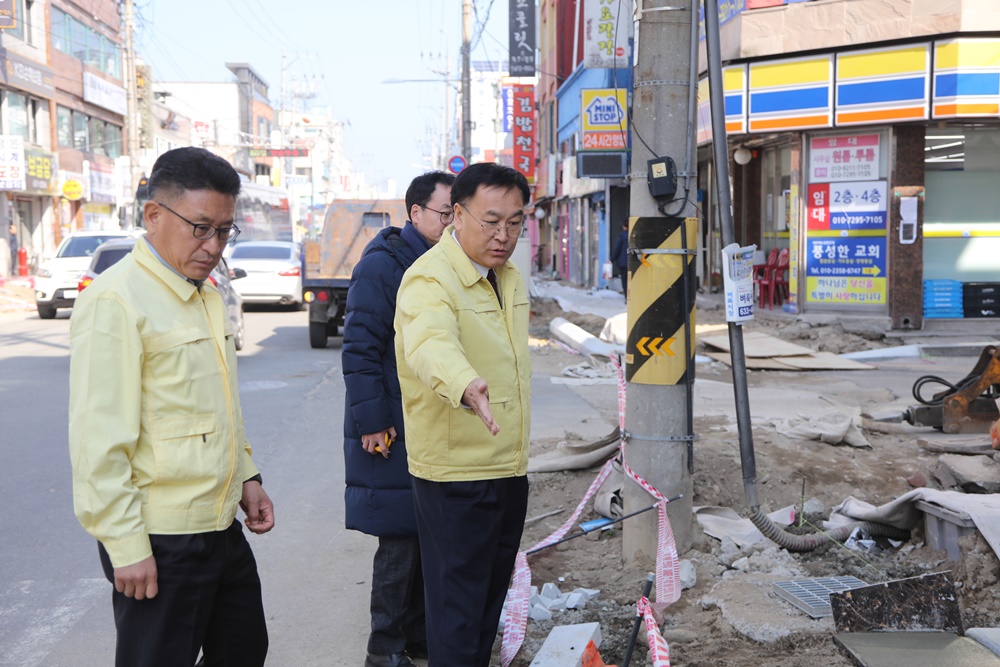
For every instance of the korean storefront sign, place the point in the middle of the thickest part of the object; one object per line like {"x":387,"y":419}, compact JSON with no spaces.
{"x":41,"y":171}
{"x":11,"y":163}
{"x":104,"y":93}
{"x":525,"y":131}
{"x":846,"y":270}
{"x":844,"y":158}
{"x":19,"y":72}
{"x":522,"y":37}
{"x":8,"y":14}
{"x":847,"y":206}
{"x":846,"y":221}
{"x":102,"y":181}
{"x":603,"y":118}
{"x":607,"y":30}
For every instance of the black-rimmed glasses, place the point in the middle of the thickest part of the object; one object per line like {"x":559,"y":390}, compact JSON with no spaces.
{"x":446,"y":216}
{"x":491,"y":228}
{"x":203,"y":232}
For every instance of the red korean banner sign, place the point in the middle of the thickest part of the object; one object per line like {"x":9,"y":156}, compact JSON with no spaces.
{"x":525,"y":131}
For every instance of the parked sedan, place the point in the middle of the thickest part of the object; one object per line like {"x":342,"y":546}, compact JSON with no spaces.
{"x":274,"y":271}
{"x":108,"y":254}
{"x":56,"y":279}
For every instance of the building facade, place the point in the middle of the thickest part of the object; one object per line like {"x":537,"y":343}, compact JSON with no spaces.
{"x":62,"y":111}
{"x":868,"y":135}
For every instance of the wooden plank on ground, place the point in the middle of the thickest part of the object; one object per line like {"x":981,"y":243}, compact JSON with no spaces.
{"x":825,"y":361}
{"x":758,"y":344}
{"x":753,"y":363}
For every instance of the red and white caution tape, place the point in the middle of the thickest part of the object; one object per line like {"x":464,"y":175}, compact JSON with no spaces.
{"x":668,"y":583}
{"x":516,"y":621}
{"x":658,"y":649}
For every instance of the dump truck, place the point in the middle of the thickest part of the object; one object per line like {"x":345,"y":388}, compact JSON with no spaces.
{"x":329,"y":260}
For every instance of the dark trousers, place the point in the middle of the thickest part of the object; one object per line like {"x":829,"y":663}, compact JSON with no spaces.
{"x":623,"y":275}
{"x":209,"y":599}
{"x":397,"y":604}
{"x":469,"y":537}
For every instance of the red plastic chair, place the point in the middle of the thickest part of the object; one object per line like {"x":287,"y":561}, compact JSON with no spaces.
{"x":763,"y":271}
{"x":775,"y":284}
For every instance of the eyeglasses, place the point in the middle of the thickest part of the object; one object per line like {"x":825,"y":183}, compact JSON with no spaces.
{"x":204,"y":232}
{"x":492,"y":228}
{"x":446,"y":216}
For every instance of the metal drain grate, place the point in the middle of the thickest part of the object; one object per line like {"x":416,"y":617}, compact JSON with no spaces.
{"x":813,"y":595}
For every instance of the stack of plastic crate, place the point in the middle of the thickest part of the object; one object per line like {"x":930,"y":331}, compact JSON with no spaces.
{"x":981,"y":299}
{"x":943,"y":298}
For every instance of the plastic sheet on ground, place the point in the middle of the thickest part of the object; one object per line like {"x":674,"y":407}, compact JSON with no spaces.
{"x":722,"y":522}
{"x":983,"y":509}
{"x":833,"y":428}
{"x":575,"y":456}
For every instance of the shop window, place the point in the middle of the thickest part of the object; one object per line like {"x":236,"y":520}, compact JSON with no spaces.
{"x":77,"y":39}
{"x":81,"y":136}
{"x":776,"y":180}
{"x":113,"y":140}
{"x":18,"y":117}
{"x":64,"y":126}
{"x":97,"y":139}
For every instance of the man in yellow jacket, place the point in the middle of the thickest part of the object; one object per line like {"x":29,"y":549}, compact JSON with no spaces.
{"x":464,"y":372}
{"x":160,"y":459}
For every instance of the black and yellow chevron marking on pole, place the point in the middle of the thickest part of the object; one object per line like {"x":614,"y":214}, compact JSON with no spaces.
{"x":654,"y":353}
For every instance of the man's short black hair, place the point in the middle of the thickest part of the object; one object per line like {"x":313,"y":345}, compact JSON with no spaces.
{"x":490,"y":175}
{"x":422,"y":188}
{"x":191,"y":168}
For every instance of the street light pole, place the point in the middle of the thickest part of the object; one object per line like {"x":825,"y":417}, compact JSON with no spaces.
{"x":466,"y":80}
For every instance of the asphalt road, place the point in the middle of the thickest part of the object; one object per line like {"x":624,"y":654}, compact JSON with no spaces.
{"x":55,"y":605}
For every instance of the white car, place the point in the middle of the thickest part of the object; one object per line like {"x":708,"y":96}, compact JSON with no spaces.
{"x":274,"y":271}
{"x":57,"y":278}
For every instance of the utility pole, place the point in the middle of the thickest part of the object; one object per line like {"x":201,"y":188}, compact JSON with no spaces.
{"x":659,"y":351}
{"x":467,"y":80}
{"x":131,"y":99}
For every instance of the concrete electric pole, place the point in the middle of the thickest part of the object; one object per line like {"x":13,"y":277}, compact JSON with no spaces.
{"x":131,"y":99}
{"x":662,"y":239}
{"x":467,"y":80}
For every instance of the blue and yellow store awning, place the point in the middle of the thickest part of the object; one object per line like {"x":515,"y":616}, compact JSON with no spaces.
{"x":944,"y":79}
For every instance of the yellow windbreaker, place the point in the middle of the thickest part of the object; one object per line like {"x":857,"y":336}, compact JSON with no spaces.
{"x":156,"y":434}
{"x":450,"y":329}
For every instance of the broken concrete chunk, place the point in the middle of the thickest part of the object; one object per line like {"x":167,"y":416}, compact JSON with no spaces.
{"x":975,"y":474}
{"x":688,"y":574}
{"x":565,"y":646}
{"x":917,"y":480}
{"x":575,"y":601}
{"x":540,"y":613}
{"x":559,"y":603}
{"x":590,"y":593}
{"x":742,"y":564}
{"x":538,"y":599}
{"x":551,"y":591}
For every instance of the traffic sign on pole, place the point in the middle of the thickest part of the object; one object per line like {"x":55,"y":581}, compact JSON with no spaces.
{"x":457,"y":163}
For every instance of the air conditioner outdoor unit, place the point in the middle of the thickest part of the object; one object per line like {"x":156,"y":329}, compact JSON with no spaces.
{"x":601,"y":165}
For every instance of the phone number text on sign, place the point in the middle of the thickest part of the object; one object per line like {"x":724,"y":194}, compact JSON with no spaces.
{"x":852,"y":256}
{"x":847,"y":206}
{"x":849,"y":158}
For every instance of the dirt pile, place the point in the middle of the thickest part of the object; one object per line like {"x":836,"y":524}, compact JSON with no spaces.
{"x":708,"y":625}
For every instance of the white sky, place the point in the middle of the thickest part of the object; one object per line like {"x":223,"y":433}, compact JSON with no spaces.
{"x":346,"y":47}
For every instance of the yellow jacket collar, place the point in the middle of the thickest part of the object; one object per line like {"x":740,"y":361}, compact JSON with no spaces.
{"x":466,"y":270}
{"x":144,"y":256}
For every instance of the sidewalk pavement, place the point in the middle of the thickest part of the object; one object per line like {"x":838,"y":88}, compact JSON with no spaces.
{"x":17,"y":294}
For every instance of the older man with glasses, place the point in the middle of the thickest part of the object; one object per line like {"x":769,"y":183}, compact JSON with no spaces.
{"x":159,"y":454}
{"x":465,"y":374}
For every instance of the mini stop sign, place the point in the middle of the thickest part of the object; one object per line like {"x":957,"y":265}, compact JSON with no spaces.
{"x":457,"y":163}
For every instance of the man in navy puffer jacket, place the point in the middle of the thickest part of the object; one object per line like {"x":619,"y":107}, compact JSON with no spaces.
{"x":378,"y":499}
